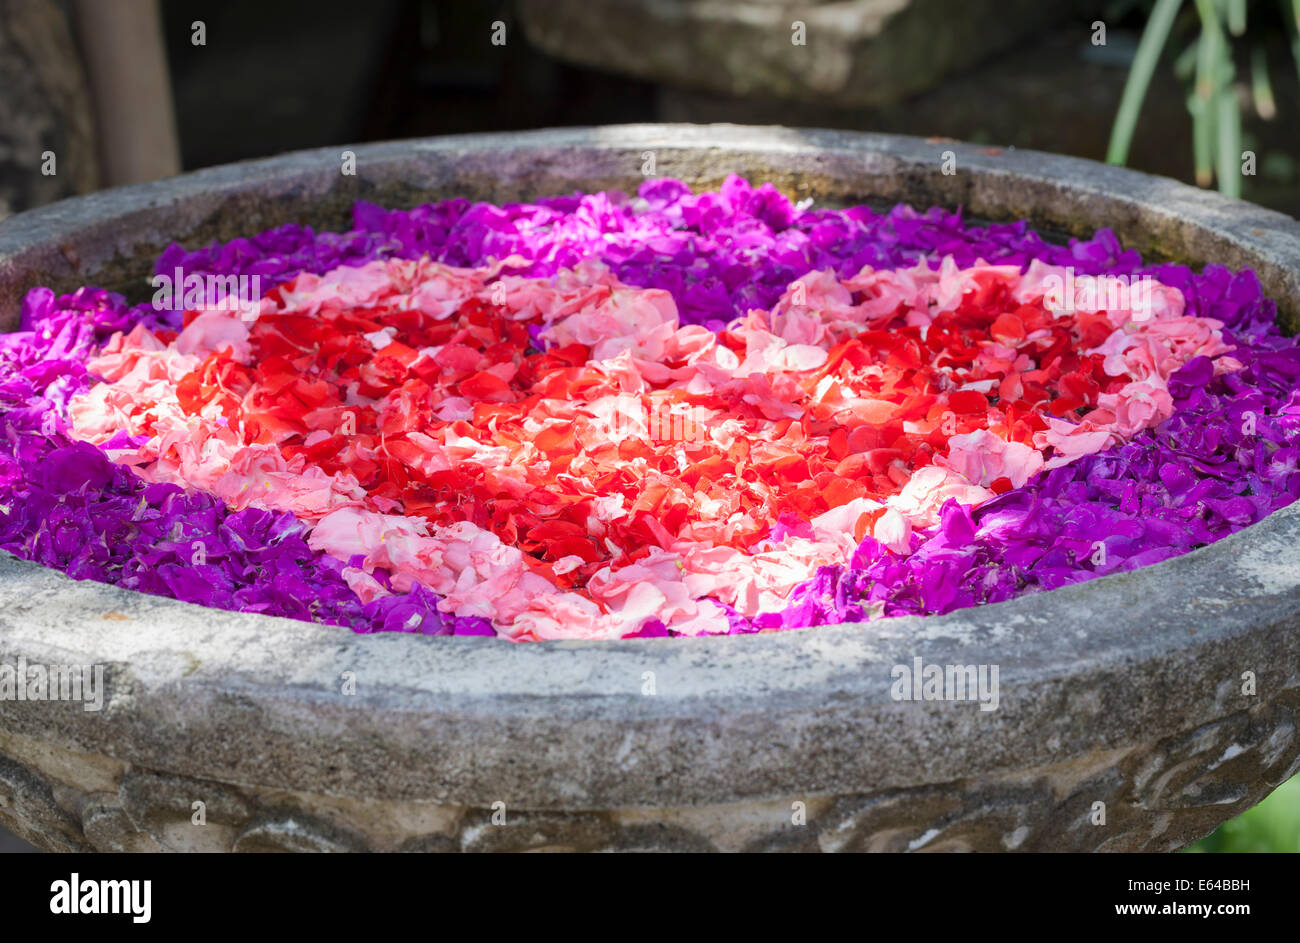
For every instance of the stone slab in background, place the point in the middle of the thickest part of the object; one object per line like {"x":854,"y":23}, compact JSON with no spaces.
{"x":857,"y":52}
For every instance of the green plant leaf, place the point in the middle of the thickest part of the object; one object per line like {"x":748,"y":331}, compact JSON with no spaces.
{"x":1152,"y":44}
{"x":1261,"y":89}
{"x":1236,"y":13}
{"x":1203,"y":104}
{"x":1227,"y":121}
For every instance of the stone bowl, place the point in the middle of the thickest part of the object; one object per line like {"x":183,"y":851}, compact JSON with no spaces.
{"x":1137,"y":711}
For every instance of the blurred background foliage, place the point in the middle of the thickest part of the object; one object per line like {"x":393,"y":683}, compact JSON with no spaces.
{"x":1221,"y":52}
{"x":293,"y":74}
{"x":1272,"y":826}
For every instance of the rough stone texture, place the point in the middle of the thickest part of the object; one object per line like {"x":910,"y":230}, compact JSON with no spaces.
{"x":1127,"y":690}
{"x":1154,"y":795}
{"x":855,"y":52}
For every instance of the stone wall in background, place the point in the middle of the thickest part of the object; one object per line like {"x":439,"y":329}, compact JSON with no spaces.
{"x":44,"y":109}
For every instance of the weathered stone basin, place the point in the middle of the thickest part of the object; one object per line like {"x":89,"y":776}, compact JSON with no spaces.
{"x":1130,"y":691}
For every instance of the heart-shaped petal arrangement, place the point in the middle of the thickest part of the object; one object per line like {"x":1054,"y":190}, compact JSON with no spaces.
{"x":597,"y":417}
